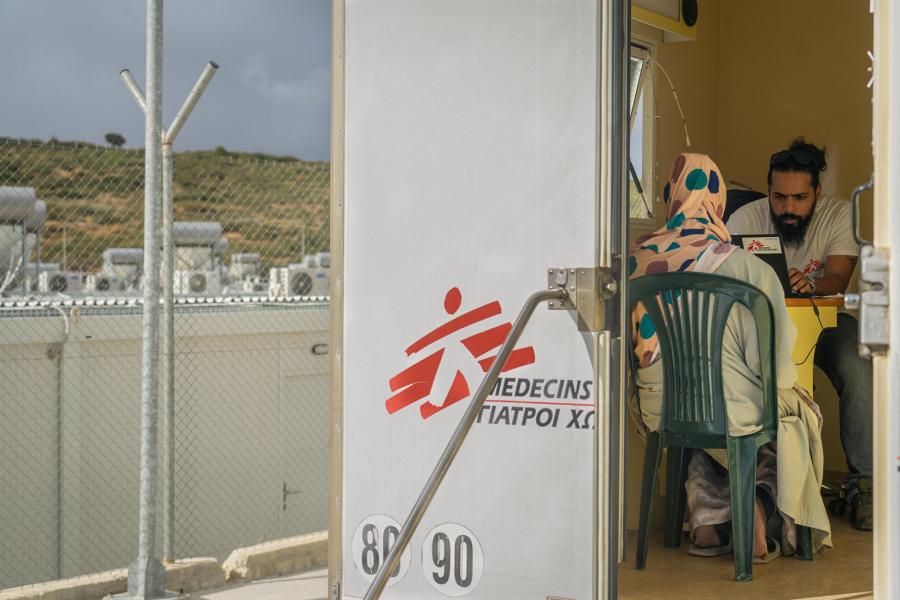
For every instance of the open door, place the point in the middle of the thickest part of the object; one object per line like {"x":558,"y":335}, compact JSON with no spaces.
{"x":472,"y":153}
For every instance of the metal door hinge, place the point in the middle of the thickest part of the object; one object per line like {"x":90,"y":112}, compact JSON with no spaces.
{"x":588,"y":290}
{"x":872,"y":301}
{"x":336,"y":590}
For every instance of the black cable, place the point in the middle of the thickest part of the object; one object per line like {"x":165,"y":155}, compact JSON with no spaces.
{"x":815,"y":308}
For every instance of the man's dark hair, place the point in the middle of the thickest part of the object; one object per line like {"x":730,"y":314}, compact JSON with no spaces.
{"x":800,"y":157}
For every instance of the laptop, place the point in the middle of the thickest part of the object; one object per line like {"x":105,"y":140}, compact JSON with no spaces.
{"x":769,"y":248}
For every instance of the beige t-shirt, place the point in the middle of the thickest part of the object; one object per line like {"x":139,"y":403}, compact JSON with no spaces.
{"x":829,"y":234}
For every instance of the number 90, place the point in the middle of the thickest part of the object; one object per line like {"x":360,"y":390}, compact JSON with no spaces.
{"x":452,"y":559}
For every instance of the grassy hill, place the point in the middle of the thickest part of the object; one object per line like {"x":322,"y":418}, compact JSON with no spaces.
{"x":95,"y":198}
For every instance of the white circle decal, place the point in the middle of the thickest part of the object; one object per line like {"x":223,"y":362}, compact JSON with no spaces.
{"x":452,"y":559}
{"x":372,"y":542}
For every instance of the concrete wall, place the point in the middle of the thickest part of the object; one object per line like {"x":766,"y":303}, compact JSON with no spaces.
{"x":251,"y":419}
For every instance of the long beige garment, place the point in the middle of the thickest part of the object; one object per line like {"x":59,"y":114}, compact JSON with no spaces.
{"x":799,"y":455}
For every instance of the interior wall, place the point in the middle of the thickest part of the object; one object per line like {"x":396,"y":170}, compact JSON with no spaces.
{"x":789,"y":68}
{"x":693,"y":67}
{"x":744,"y":98}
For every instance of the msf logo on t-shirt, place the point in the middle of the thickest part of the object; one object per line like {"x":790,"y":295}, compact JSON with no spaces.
{"x":416,"y":382}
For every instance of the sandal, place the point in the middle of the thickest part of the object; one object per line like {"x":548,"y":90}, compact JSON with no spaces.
{"x":773,"y":551}
{"x":707,"y":551}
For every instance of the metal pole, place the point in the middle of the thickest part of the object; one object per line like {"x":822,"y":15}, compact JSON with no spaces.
{"x":146,"y":578}
{"x":134,"y":88}
{"x":60,"y":430}
{"x":168,"y":281}
{"x":64,"y":247}
{"x":169,"y":309}
{"x":37,"y":268}
{"x":190,"y":102}
{"x":168,"y":352}
{"x":456,"y":441}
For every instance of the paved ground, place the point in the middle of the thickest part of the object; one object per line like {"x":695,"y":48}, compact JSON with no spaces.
{"x":845,"y":571}
{"x":312,"y":585}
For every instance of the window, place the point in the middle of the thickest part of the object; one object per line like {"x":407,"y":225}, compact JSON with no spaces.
{"x":640,"y":179}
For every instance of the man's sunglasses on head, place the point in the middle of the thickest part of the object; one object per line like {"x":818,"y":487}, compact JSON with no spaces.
{"x":802,"y":157}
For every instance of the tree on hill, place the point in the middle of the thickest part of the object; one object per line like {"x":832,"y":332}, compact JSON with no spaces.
{"x":115,"y":140}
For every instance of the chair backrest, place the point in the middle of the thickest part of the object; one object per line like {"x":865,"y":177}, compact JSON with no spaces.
{"x":736,"y":198}
{"x":689,"y":312}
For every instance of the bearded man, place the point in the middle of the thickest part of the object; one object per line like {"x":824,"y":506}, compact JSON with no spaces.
{"x":816,"y":231}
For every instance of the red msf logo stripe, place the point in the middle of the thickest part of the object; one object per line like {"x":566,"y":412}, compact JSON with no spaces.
{"x":462,"y":321}
{"x":415,"y":382}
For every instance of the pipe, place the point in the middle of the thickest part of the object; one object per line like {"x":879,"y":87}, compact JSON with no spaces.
{"x":60,"y":388}
{"x":169,"y":310}
{"x":168,"y":354}
{"x":190,"y":102}
{"x":37,"y":246}
{"x":456,"y":440}
{"x":134,"y":88}
{"x":37,"y":268}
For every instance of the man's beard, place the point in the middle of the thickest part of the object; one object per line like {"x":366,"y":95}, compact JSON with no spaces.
{"x":793,"y":234}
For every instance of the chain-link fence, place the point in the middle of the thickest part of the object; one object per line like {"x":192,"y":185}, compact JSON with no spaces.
{"x":251,"y":369}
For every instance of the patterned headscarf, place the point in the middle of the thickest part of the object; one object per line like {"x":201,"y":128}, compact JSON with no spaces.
{"x":694,"y":237}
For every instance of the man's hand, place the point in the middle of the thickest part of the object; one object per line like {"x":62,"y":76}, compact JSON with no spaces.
{"x":834,"y":280}
{"x":799,"y":283}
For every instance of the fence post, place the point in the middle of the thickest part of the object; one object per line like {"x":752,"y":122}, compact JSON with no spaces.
{"x":168,"y":355}
{"x":168,"y":282}
{"x":146,"y":576}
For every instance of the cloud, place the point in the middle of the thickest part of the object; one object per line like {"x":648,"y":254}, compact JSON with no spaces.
{"x":314,"y":89}
{"x":272,"y":93}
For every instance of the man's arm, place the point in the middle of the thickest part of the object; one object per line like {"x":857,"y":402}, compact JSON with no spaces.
{"x":838,"y":270}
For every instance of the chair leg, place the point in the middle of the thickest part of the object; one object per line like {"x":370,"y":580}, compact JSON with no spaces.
{"x":652,"y":457}
{"x":742,"y":479}
{"x":676,"y":495}
{"x":804,"y":543}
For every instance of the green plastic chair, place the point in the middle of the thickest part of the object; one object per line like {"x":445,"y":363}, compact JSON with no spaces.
{"x":689,"y":312}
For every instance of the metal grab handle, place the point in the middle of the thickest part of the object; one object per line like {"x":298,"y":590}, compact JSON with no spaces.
{"x":456,"y":440}
{"x":854,"y":211}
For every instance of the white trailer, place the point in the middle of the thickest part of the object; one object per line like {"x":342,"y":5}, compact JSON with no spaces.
{"x":479,"y":156}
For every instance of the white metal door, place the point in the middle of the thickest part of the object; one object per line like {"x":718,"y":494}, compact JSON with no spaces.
{"x":467,"y":157}
{"x":886,"y":368}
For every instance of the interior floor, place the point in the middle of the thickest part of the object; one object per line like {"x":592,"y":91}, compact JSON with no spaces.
{"x":844,"y":571}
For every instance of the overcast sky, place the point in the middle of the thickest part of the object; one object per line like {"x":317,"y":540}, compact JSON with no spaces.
{"x":60,"y":63}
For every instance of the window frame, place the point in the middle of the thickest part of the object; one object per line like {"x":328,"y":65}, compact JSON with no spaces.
{"x":645,"y":49}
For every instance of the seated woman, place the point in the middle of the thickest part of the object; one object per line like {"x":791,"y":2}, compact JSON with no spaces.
{"x":788,"y":480}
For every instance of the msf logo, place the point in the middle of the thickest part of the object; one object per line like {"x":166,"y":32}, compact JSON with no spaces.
{"x":754,"y":246}
{"x":415,"y":382}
